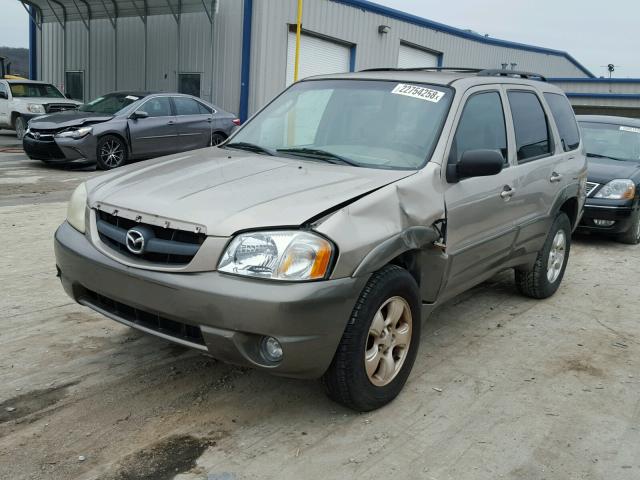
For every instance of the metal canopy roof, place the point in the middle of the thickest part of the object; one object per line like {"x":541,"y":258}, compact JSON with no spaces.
{"x":62,"y":11}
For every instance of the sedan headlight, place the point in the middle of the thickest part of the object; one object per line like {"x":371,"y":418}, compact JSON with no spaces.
{"x":76,"y":133}
{"x":619,"y":189}
{"x":278,"y":255}
{"x":76,"y":208}
{"x":35,"y":108}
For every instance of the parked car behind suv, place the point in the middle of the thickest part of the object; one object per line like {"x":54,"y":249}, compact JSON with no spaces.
{"x":613,"y":188}
{"x":317,"y":239}
{"x":22,"y":100}
{"x":122,"y":126}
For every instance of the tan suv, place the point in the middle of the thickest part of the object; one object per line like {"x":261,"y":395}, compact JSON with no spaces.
{"x":320,"y":236}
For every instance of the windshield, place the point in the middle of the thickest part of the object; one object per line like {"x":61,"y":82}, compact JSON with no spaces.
{"x":610,"y":140}
{"x":110,"y":104}
{"x":43,"y":90}
{"x":376,"y":124}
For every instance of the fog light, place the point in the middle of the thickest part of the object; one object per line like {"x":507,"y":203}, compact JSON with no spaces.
{"x":604,"y":223}
{"x":272,"y":349}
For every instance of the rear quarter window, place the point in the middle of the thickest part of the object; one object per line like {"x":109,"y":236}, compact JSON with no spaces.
{"x":565,"y":120}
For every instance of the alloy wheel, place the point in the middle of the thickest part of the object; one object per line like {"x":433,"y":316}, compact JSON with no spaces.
{"x":112,"y":153}
{"x":556,"y":256}
{"x":388,"y":341}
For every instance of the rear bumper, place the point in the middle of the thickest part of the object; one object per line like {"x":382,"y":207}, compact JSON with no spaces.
{"x":233,"y":314}
{"x":619,"y":214}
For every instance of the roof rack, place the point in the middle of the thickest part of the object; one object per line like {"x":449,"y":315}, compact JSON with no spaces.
{"x":511,"y":73}
{"x":424,"y":69}
{"x":478,"y":71}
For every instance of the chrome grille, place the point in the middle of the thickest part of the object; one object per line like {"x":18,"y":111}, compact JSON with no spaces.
{"x":167,"y":246}
{"x":58,"y":107}
{"x":591,"y":187}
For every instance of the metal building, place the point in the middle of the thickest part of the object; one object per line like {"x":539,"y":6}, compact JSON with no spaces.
{"x":239,"y":53}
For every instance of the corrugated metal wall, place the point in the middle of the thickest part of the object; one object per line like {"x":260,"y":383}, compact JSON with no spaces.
{"x":125,"y":58}
{"x":359,"y":27}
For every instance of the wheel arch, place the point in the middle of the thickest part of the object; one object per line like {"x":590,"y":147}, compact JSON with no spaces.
{"x":413,"y":250}
{"x":114,"y":133}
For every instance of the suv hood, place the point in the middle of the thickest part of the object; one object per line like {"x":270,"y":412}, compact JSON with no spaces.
{"x":603,"y":170}
{"x":47,"y":100}
{"x":68,"y":118}
{"x":225,"y":191}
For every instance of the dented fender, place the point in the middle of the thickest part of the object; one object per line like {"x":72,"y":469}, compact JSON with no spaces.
{"x":386,"y":223}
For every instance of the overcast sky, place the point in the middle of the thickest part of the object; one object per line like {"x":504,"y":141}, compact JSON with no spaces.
{"x":594,"y":32}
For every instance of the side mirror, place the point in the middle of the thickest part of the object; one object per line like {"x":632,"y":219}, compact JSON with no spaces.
{"x":3,"y":95}
{"x":68,"y":95}
{"x":475,"y":163}
{"x":139,"y":114}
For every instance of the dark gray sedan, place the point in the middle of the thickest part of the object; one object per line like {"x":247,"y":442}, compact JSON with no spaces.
{"x":123,"y":126}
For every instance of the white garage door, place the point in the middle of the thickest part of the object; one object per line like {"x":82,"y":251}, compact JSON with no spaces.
{"x":317,"y":57}
{"x":409,"y":57}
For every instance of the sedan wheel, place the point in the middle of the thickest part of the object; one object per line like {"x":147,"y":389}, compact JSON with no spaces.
{"x":217,"y":139}
{"x":112,"y":152}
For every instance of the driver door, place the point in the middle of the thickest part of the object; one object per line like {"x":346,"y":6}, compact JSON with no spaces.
{"x":156,"y":134}
{"x":481,"y":218}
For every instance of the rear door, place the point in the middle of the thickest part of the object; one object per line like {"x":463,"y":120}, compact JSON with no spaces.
{"x":539,"y":159}
{"x":155,"y":135}
{"x":194,"y":123}
{"x":481,"y":211}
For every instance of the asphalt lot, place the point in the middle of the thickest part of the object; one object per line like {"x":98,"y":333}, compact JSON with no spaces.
{"x":503,"y":387}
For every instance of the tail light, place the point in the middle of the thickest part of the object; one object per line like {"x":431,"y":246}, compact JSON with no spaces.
{"x":236,"y":121}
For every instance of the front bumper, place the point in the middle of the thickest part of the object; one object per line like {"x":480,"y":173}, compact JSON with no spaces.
{"x":618,"y":212}
{"x":60,"y":150}
{"x":233,"y":314}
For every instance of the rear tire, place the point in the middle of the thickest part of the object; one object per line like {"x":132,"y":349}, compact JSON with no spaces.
{"x":217,"y":138}
{"x":20,"y":126}
{"x":545,"y":277}
{"x":632,"y":236}
{"x":111,"y":152}
{"x":379,"y":344}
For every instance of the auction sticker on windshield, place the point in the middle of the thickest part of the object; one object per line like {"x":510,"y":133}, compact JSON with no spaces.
{"x":630,"y":129}
{"x":421,"y":93}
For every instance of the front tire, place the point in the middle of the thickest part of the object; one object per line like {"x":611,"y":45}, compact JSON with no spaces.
{"x":545,"y":277}
{"x":380,"y":343}
{"x":632,"y":236}
{"x":111,"y":152}
{"x":20,"y":126}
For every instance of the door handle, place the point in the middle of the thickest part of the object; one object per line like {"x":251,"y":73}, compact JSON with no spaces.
{"x":555,"y":177}
{"x":171,"y":122}
{"x":507,"y":193}
{"x":209,"y":120}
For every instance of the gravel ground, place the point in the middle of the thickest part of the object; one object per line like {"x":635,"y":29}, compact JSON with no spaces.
{"x":503,"y":387}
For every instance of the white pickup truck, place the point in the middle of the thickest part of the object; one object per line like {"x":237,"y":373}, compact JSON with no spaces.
{"x":22,"y":100}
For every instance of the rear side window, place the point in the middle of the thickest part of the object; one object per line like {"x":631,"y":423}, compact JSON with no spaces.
{"x":186,"y":106}
{"x":158,"y":107}
{"x":204,"y":109}
{"x":565,"y":120}
{"x":530,"y":125}
{"x":481,"y":126}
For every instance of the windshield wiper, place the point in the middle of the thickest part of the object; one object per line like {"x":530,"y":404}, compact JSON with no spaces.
{"x":598,"y":155}
{"x":251,"y":147}
{"x":319,"y":154}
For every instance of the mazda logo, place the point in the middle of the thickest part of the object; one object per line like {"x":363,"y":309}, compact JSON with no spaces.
{"x":135,"y":241}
